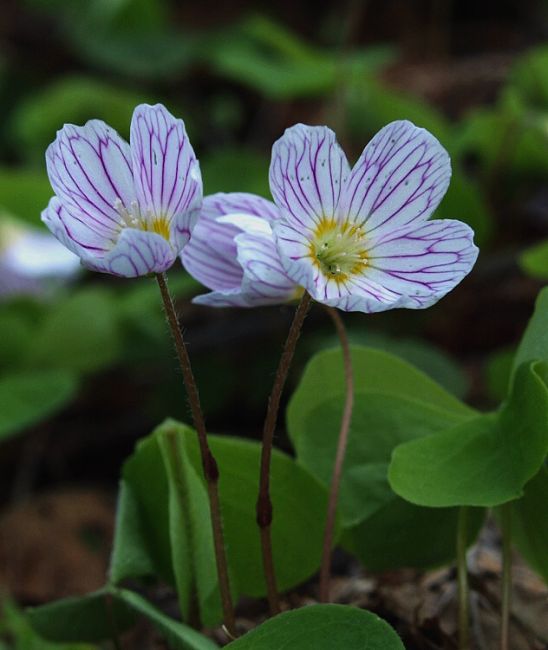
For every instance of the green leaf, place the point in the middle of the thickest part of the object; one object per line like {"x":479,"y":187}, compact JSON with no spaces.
{"x":400,"y":534}
{"x":394,"y":402}
{"x":17,"y":329}
{"x":130,"y":553}
{"x":534,"y":342}
{"x":299,"y":504}
{"x":433,"y":361}
{"x":507,"y":141}
{"x":15,"y":626}
{"x":371,"y":105}
{"x":534,"y":261}
{"x":177,"y":539}
{"x":28,"y":398}
{"x":24,"y":194}
{"x":265,"y":56}
{"x":93,"y":618}
{"x":132,"y":37}
{"x":379,"y":423}
{"x":375,"y":371}
{"x":190,"y":532}
{"x":528,"y":76}
{"x":484,"y":461}
{"x":70,"y":100}
{"x":82,"y":333}
{"x":530,"y":523}
{"x":321,"y":627}
{"x":87,"y":618}
{"x":142,"y":519}
{"x":498,"y":373}
{"x":177,"y":634}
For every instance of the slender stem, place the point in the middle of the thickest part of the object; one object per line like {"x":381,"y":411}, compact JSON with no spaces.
{"x":264,"y":504}
{"x":506,"y":520}
{"x":462,"y":571}
{"x":325,"y":570}
{"x":209,"y":464}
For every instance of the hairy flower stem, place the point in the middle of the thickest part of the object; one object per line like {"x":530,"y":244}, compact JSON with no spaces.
{"x":209,"y":464}
{"x":462,"y":573}
{"x":506,"y":520}
{"x":264,"y":504}
{"x":325,"y":570}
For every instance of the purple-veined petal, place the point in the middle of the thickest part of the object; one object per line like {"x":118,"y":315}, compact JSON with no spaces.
{"x":307,"y":173}
{"x":226,"y":298}
{"x":221,"y":203}
{"x":399,"y":179}
{"x":74,"y":231}
{"x":167,"y":174}
{"x":136,"y":253}
{"x":423,"y":262}
{"x":232,"y":251}
{"x":211,"y":254}
{"x":265,"y":281}
{"x":89,"y":168}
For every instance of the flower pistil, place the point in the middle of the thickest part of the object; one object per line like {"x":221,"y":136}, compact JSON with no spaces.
{"x":338,"y":249}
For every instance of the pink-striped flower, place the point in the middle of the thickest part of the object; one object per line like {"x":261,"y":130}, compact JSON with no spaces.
{"x":233,"y":252}
{"x":124,"y":209}
{"x":360,"y":239}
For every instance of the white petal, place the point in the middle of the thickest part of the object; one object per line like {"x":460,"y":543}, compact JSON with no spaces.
{"x":89,"y":168}
{"x":399,"y":179}
{"x":307,"y":172}
{"x":74,"y":231}
{"x":217,"y":205}
{"x":167,"y":174}
{"x":137,"y":253}
{"x":423,"y":262}
{"x":265,"y":281}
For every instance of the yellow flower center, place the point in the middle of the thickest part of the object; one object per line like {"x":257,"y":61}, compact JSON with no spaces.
{"x":133,"y":218}
{"x":338,"y":249}
{"x":159,"y":225}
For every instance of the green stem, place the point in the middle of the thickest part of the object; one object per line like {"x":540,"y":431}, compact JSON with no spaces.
{"x":506,"y":521}
{"x":264,"y":503}
{"x":462,"y":571}
{"x":325,"y":569}
{"x":209,"y":465}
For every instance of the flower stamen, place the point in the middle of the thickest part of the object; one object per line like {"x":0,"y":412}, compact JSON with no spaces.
{"x":132,"y":217}
{"x":338,"y":249}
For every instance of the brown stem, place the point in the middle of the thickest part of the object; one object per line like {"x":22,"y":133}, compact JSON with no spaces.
{"x":325,"y":569}
{"x":264,"y":504}
{"x":209,"y":464}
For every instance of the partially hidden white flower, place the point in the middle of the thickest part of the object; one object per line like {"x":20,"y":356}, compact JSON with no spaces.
{"x":31,"y":260}
{"x":233,"y":252}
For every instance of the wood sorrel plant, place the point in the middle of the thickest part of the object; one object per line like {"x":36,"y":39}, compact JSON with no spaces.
{"x":351,"y":239}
